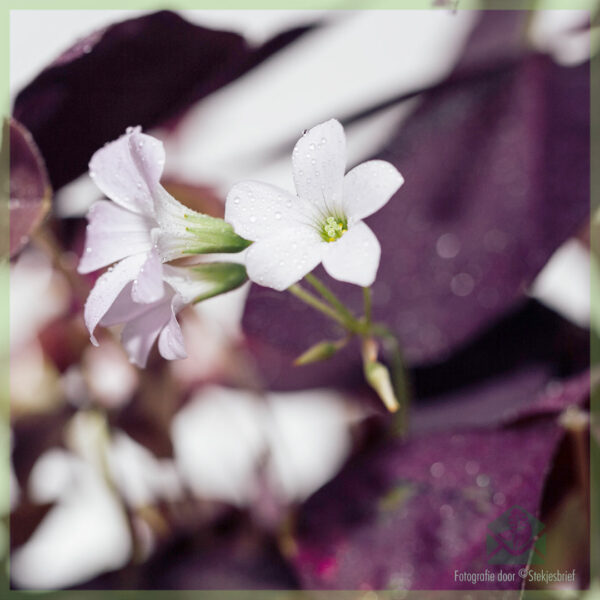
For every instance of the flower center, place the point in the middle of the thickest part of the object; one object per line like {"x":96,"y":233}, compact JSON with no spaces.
{"x":334,"y":228}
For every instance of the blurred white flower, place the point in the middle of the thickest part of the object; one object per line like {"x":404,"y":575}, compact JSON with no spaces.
{"x":323,"y":223}
{"x":223,"y":438}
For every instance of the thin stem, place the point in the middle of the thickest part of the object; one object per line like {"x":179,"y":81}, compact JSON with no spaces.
{"x":329,"y":296}
{"x":401,"y":383}
{"x":322,"y":307}
{"x":368,"y":310}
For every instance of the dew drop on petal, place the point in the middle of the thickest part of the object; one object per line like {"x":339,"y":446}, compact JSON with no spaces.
{"x":252,"y":219}
{"x":278,"y":215}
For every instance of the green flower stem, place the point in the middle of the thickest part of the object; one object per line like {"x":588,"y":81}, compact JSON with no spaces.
{"x":375,"y":372}
{"x":367,"y":299}
{"x":300,"y":293}
{"x":329,"y":296}
{"x":400,"y":377}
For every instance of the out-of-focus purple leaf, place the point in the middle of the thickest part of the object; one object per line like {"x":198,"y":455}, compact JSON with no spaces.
{"x":530,"y":362}
{"x":497,"y":177}
{"x":407,"y":515}
{"x":227,"y":558}
{"x":137,"y":72}
{"x":30,"y":191}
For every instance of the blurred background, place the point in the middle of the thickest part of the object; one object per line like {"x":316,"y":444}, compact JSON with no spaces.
{"x":214,"y":472}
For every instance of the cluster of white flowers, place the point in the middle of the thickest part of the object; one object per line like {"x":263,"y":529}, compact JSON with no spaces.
{"x":141,"y":227}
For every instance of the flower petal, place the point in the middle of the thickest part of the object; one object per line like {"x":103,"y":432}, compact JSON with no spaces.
{"x":112,"y":234}
{"x":368,"y":187}
{"x":170,"y":341}
{"x":258,"y":210}
{"x":107,"y":289}
{"x":319,"y":163}
{"x":354,"y":257}
{"x":128,"y":169}
{"x":138,"y":335}
{"x":148,"y":285}
{"x":282,"y":260}
{"x":123,"y":309}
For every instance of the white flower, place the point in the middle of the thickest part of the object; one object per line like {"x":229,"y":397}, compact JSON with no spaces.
{"x":111,"y":304}
{"x":140,"y":227}
{"x":323,"y":223}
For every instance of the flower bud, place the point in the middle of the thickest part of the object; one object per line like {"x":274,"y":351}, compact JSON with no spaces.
{"x":379,"y":379}
{"x":219,"y":277}
{"x":321,"y":351}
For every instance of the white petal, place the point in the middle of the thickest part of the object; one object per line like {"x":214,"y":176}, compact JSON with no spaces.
{"x":368,"y":187}
{"x":148,"y":285}
{"x":282,"y":260}
{"x":112,"y":234}
{"x":259,"y":210}
{"x":170,"y":341}
{"x":319,"y":163}
{"x":107,"y":289}
{"x":123,"y":309}
{"x":354,"y":257}
{"x":138,"y":336}
{"x":128,"y":169}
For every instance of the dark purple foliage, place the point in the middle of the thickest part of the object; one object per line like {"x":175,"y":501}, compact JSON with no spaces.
{"x":407,"y":515}
{"x":138,"y":72}
{"x":30,"y":190}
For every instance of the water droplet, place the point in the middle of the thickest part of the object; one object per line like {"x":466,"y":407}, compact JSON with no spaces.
{"x":472,"y":467}
{"x":323,"y":141}
{"x":462,"y":284}
{"x":311,"y":147}
{"x":437,"y":470}
{"x":88,"y":249}
{"x":499,"y":499}
{"x":495,"y":240}
{"x":447,"y":245}
{"x":252,"y":219}
{"x":482,"y":480}
{"x":278,"y":215}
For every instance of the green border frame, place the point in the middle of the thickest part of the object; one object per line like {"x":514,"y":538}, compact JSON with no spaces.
{"x":149,"y":5}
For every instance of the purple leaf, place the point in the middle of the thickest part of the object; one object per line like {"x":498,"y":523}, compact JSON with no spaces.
{"x":30,"y":190}
{"x":137,"y":72}
{"x":408,"y":515}
{"x":497,"y":177}
{"x":232,"y":558}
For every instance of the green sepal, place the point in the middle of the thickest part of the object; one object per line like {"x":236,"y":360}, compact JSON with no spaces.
{"x":213,"y":235}
{"x":221,"y":276}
